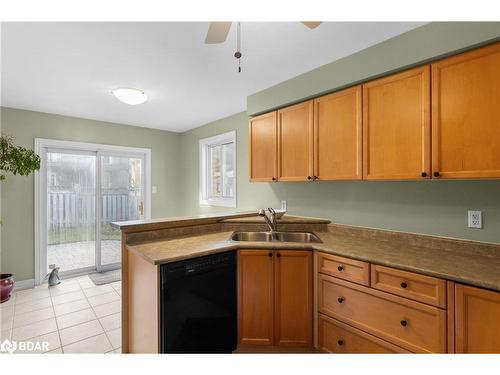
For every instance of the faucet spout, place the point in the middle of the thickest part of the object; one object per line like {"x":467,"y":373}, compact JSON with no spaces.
{"x":271,"y":222}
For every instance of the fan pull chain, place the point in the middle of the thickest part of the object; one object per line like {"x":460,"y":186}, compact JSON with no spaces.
{"x":238,"y":54}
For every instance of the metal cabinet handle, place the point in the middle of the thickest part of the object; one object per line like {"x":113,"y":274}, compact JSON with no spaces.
{"x":404,"y":322}
{"x":340,"y":342}
{"x":340,"y":268}
{"x":270,"y":254}
{"x":403,"y":285}
{"x":340,"y":299}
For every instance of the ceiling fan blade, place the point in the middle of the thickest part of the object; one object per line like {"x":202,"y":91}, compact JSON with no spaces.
{"x":311,"y":24}
{"x":217,"y":32}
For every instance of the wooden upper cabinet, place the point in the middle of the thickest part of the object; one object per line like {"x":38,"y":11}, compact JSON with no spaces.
{"x":262,"y":134}
{"x":295,"y":142}
{"x":293,"y":298}
{"x":338,"y":135}
{"x":255,"y":297}
{"x":477,"y":320}
{"x":396,"y":126}
{"x":466,"y":115}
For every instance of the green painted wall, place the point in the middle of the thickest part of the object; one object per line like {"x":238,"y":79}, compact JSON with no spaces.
{"x":17,"y":251}
{"x":426,"y":43}
{"x":430,"y":207}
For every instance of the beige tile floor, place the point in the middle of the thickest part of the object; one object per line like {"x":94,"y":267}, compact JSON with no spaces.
{"x":73,"y":317}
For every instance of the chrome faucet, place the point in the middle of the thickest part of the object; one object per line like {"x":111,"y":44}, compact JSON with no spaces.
{"x":272,"y":222}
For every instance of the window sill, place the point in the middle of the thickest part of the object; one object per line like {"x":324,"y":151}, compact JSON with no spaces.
{"x":218,"y":203}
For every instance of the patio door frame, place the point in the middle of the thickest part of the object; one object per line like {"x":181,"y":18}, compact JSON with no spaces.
{"x":42,"y":145}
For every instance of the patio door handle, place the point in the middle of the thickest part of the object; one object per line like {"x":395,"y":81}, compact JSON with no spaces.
{"x":141,"y":208}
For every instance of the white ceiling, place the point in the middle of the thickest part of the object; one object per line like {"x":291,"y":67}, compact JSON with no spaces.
{"x":70,"y":68}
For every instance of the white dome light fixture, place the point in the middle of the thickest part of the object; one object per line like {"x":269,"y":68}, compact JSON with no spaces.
{"x":130,"y":95}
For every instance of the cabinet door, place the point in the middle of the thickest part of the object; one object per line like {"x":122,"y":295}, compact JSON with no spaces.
{"x":263,"y":133}
{"x":477,"y":320}
{"x":295,"y":142}
{"x":466,"y":115}
{"x":396,"y":126}
{"x":338,"y":135}
{"x":255,"y":297}
{"x":294,"y":298}
{"x":337,"y":337}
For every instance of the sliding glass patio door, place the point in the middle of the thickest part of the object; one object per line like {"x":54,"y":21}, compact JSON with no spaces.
{"x":121,"y":198}
{"x":81,"y":192}
{"x":71,"y":220}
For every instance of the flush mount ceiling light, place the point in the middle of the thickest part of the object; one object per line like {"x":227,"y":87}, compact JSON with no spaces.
{"x":129,"y":95}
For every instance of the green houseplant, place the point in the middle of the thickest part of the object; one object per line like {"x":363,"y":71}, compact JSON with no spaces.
{"x":16,"y":160}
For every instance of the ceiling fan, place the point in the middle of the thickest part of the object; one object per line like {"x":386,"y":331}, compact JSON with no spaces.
{"x":218,"y":31}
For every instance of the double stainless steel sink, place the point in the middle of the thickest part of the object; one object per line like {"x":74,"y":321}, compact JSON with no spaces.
{"x":305,"y":237}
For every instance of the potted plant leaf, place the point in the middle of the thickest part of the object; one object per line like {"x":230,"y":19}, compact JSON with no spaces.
{"x":18,"y":161}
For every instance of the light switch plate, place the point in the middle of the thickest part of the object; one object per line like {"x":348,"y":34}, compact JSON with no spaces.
{"x":475,"y":219}
{"x":154,"y":190}
{"x":283,"y":205}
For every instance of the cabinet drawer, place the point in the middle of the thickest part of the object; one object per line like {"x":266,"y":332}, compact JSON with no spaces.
{"x":343,"y":268}
{"x":412,"y":325}
{"x":337,"y":337}
{"x":420,"y":288}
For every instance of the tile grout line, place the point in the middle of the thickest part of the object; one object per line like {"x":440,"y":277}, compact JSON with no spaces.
{"x":107,"y":337}
{"x":57,"y":324}
{"x":58,"y":330}
{"x":97,"y":318}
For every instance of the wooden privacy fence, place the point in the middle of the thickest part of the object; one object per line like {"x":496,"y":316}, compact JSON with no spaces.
{"x":72,"y":210}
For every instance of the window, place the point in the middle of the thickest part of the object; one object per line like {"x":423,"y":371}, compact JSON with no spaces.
{"x":218,"y":170}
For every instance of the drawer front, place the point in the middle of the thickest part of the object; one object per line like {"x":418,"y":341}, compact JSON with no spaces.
{"x":417,"y":287}
{"x":337,"y":337}
{"x":411,"y":325}
{"x":344,"y":268}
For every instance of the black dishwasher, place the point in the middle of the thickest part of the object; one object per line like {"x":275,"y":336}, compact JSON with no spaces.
{"x":198,"y":305}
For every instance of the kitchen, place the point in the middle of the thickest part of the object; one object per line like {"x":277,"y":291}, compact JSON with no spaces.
{"x":339,"y":198}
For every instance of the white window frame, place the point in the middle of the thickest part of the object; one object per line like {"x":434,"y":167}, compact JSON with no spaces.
{"x":216,"y":140}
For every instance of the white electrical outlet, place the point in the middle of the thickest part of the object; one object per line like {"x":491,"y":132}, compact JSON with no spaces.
{"x":475,"y":219}
{"x":154,"y":190}
{"x":283,"y":205}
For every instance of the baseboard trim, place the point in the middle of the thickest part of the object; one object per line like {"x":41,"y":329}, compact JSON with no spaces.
{"x":24,"y":284}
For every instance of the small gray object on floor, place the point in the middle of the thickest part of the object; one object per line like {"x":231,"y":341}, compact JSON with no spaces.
{"x":101,"y":278}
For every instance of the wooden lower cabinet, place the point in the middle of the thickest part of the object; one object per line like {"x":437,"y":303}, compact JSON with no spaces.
{"x":409,"y":324}
{"x":255,"y":297}
{"x":337,"y":337}
{"x":477,"y":320}
{"x":293,"y":298}
{"x":275,"y":297}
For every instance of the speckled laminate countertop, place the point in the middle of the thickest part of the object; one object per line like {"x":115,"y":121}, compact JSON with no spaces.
{"x":459,"y":264}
